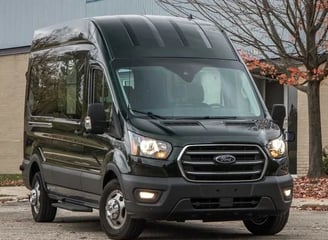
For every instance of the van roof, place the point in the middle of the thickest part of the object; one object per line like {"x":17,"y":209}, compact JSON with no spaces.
{"x":135,"y":36}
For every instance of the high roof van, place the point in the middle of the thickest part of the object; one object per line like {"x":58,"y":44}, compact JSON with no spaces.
{"x":150,"y":118}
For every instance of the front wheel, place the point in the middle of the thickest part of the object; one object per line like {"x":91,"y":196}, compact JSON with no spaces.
{"x":267,"y":225}
{"x":42,"y":210}
{"x":114,"y":218}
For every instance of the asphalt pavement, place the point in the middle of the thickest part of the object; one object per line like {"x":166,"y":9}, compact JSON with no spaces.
{"x":16,"y":223}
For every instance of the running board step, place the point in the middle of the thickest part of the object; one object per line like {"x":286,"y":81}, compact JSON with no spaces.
{"x":72,"y":207}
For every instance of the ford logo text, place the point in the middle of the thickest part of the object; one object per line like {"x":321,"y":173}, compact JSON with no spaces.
{"x":225,"y":159}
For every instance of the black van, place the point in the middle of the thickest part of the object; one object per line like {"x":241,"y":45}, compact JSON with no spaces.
{"x":150,"y":118}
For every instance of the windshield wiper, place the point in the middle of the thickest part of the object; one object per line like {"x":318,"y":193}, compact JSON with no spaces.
{"x":149,"y":114}
{"x":217,"y":117}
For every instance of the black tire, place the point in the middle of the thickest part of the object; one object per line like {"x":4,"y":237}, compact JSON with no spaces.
{"x":114,"y":219}
{"x":268,"y":225}
{"x":42,"y":210}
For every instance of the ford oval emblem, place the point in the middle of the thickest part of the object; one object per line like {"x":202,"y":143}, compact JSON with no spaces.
{"x":225,"y":159}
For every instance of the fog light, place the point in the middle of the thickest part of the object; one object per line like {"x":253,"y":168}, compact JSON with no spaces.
{"x":145,"y":195}
{"x":287,"y":193}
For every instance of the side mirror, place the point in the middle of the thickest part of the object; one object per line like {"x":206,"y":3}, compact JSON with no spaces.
{"x":278,"y":114}
{"x":95,"y":121}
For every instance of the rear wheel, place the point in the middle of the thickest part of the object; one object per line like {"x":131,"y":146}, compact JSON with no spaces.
{"x":42,"y":210}
{"x":113,"y":214}
{"x":267,"y":225}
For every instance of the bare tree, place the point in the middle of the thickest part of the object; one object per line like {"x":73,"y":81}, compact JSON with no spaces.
{"x":295,"y":31}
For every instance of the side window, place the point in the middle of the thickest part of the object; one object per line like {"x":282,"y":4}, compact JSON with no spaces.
{"x":99,"y":91}
{"x":56,"y":86}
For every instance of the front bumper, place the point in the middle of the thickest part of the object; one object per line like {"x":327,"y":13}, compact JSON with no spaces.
{"x":181,"y":200}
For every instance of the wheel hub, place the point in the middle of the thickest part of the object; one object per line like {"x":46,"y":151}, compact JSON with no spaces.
{"x":33,"y":197}
{"x":113,"y":209}
{"x":259,"y":220}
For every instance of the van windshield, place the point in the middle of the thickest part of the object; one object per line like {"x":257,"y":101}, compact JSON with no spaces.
{"x":188,"y":88}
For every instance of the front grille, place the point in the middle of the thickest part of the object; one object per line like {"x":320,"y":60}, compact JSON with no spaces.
{"x":197,"y":163}
{"x":217,"y":203}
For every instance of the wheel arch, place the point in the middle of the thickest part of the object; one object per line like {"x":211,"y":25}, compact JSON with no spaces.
{"x":110,"y":175}
{"x":115,"y":165}
{"x":33,"y":170}
{"x":36,"y":165}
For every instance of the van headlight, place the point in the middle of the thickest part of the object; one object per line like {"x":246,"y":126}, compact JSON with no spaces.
{"x":277,"y":147}
{"x":148,"y":147}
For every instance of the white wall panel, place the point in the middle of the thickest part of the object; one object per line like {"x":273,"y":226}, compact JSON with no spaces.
{"x":19,"y":18}
{"x":111,"y":7}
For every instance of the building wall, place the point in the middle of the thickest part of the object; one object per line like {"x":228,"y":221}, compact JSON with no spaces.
{"x":12,"y":85}
{"x":19,"y":18}
{"x":303,"y":128}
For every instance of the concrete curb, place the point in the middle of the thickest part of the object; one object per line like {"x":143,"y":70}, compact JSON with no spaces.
{"x":13,"y":194}
{"x":310,"y":204}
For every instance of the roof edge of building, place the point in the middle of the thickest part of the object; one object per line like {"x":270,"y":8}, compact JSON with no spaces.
{"x":15,"y":50}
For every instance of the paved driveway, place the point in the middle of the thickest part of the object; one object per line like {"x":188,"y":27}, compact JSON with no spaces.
{"x":16,"y":223}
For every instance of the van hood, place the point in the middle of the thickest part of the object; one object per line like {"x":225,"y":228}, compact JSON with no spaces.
{"x":208,"y":131}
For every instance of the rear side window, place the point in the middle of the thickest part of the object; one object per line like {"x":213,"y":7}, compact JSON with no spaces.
{"x":56,"y":86}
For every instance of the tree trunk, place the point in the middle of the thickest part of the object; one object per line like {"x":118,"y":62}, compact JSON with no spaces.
{"x":315,"y":139}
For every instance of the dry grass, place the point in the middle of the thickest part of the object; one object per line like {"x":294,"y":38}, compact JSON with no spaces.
{"x":11,"y":180}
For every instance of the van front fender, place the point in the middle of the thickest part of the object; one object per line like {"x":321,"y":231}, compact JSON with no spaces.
{"x":118,"y":159}
{"x":115,"y":164}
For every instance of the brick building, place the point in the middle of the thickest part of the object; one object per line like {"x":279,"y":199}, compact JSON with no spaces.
{"x":303,"y":128}
{"x":12,"y":92}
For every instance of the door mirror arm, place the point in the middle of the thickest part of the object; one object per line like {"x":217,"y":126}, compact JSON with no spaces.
{"x":95,"y":121}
